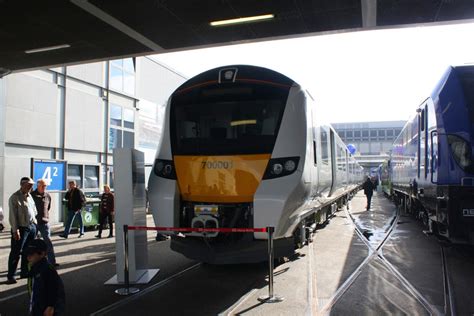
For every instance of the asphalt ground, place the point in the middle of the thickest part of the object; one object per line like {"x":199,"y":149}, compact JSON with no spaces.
{"x":310,"y":282}
{"x":406,"y":277}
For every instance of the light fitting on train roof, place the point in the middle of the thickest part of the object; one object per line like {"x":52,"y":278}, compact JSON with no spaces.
{"x":227,"y":75}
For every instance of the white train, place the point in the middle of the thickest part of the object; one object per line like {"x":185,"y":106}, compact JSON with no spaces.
{"x":245,"y":146}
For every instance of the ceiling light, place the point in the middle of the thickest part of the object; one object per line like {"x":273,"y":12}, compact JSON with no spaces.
{"x":247,"y":19}
{"x":45,"y":49}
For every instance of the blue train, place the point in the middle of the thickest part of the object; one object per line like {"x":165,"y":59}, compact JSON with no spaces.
{"x":432,"y":163}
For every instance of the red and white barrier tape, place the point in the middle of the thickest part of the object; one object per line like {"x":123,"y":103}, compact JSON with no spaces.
{"x":200,"y":230}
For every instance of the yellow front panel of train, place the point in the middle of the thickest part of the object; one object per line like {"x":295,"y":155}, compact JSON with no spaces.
{"x":220,"y":179}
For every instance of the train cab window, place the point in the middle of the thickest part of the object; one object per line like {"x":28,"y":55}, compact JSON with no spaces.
{"x":227,"y":123}
{"x":466,"y":76}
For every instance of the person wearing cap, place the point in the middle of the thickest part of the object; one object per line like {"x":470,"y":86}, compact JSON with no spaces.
{"x":22,"y":211}
{"x":75,"y":202}
{"x":43,"y":206}
{"x":46,"y":289}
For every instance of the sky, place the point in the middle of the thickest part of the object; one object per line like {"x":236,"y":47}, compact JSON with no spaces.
{"x":379,"y":75}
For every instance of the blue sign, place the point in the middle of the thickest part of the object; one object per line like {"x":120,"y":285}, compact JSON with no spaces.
{"x":52,"y":171}
{"x":352,"y":149}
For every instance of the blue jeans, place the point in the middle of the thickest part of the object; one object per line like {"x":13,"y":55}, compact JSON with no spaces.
{"x":45,"y":232}
{"x":26,"y":235}
{"x":70,"y":219}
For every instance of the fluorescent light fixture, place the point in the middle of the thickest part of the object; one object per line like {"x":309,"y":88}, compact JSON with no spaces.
{"x":247,"y":19}
{"x":45,"y":49}
{"x":243,"y":122}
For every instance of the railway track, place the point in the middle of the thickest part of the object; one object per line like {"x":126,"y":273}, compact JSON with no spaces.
{"x":375,"y":252}
{"x":449,"y":303}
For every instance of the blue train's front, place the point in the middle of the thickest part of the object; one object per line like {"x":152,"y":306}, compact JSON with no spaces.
{"x":452,"y":165}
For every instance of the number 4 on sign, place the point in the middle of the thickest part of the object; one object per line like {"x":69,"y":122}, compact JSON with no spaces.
{"x":47,"y":174}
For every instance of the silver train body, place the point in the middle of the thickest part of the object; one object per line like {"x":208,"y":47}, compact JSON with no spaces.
{"x":245,"y":146}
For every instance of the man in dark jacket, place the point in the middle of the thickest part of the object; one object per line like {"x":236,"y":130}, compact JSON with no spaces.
{"x":75,"y":202}
{"x":43,"y":206}
{"x":106,"y":211}
{"x":46,"y":289}
{"x":368,"y":187}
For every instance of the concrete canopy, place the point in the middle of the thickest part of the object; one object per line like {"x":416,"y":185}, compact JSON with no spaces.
{"x":77,"y":31}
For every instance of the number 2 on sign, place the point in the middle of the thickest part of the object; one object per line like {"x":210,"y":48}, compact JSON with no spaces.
{"x":47,"y":174}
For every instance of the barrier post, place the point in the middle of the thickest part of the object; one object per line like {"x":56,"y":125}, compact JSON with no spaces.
{"x":127,"y":290}
{"x":271,"y":297}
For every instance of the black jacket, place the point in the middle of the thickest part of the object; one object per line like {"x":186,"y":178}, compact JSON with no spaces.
{"x":75,"y":199}
{"x":368,"y":187}
{"x":43,"y":205}
{"x":46,"y":289}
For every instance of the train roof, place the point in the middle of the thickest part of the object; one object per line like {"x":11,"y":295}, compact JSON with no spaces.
{"x":236,"y":73}
{"x":461,"y":69}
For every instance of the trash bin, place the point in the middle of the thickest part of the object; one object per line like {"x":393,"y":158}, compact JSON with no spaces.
{"x":90,"y":213}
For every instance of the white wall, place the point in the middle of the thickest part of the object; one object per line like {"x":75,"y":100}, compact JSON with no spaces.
{"x":84,"y":121}
{"x":93,"y":73}
{"x":32,"y":110}
{"x":155,"y":82}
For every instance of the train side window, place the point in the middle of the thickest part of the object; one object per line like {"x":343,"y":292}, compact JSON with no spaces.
{"x":314,"y":153}
{"x":422,"y":120}
{"x":324,"y":147}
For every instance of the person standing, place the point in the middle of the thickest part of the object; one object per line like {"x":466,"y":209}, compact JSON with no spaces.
{"x":75,"y":202}
{"x":46,"y":289}
{"x":106,"y":211}
{"x":368,"y":187}
{"x":43,"y":206}
{"x":22,"y":211}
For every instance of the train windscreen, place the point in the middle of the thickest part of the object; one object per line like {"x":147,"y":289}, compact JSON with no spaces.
{"x":467,"y":82}
{"x":227,"y":120}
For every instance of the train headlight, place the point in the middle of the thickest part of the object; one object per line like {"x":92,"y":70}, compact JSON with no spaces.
{"x":280,"y":167}
{"x":461,"y":150}
{"x":290,"y":166}
{"x":277,"y":169}
{"x":164,"y":169}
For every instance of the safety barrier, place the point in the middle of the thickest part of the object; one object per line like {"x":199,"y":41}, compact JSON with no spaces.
{"x":271,"y":298}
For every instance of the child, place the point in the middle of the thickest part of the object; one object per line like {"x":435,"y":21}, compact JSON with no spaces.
{"x":46,"y":288}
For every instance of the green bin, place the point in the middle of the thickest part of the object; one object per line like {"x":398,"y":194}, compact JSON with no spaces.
{"x":90,"y":213}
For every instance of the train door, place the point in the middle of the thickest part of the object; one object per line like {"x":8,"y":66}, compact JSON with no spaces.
{"x":332,"y":142}
{"x":422,"y":144}
{"x":346,"y":167}
{"x":325,"y":166}
{"x":316,"y":146}
{"x":434,"y":156}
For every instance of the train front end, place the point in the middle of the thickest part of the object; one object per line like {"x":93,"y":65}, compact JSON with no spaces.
{"x":219,"y":135}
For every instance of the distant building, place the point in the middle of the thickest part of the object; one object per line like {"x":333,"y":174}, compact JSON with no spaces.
{"x":373,"y":140}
